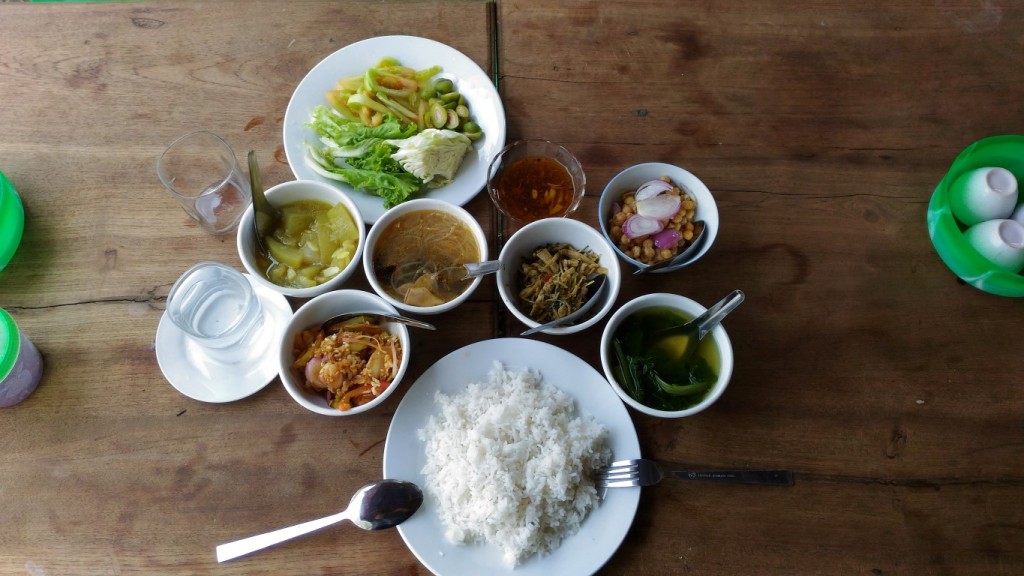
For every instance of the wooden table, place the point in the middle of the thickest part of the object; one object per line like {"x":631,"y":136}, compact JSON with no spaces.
{"x":892,"y":389}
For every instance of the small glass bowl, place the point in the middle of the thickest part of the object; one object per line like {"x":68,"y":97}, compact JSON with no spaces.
{"x":522,"y":181}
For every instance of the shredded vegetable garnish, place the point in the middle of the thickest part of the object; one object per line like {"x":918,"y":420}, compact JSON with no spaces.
{"x":555,"y":280}
{"x":351,"y":364}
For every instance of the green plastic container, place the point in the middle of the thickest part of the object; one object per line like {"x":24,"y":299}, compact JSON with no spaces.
{"x":12,"y":220}
{"x":21,"y":365}
{"x":947,"y":233}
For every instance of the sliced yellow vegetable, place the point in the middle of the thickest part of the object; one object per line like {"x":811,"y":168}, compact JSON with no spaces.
{"x":294,"y":221}
{"x":288,"y":255}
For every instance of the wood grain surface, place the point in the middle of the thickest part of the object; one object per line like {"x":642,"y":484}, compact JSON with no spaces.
{"x":892,"y":389}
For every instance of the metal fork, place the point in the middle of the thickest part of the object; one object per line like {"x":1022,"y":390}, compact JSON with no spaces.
{"x":644,"y":472}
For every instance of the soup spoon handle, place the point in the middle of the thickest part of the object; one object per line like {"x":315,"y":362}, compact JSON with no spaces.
{"x":474,"y":269}
{"x":713,"y":317}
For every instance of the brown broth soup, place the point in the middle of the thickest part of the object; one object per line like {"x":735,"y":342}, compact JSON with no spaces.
{"x":534,"y":187}
{"x":412,"y":251}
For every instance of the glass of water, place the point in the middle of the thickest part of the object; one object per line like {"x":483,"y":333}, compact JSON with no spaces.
{"x":216,"y":306}
{"x":201,"y":172}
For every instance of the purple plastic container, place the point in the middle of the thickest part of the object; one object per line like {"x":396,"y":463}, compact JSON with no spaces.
{"x":21,"y":366}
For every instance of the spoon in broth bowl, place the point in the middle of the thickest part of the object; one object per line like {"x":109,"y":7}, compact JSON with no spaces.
{"x":375,"y":506}
{"x":449,"y":280}
{"x":680,"y":342}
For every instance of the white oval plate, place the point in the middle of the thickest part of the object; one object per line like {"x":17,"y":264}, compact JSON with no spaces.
{"x":419,"y":53}
{"x":194,"y":373}
{"x":604,"y":528}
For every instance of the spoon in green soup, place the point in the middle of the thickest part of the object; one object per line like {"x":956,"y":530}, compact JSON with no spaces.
{"x":678,"y":343}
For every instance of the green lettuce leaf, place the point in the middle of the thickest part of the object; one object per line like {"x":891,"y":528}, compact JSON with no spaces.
{"x":360,"y":156}
{"x":366,"y":173}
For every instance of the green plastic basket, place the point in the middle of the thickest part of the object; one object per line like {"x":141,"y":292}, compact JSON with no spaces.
{"x":947,"y":234}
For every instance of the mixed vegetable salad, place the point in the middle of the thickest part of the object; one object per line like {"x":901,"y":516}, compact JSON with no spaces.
{"x":392,"y":131}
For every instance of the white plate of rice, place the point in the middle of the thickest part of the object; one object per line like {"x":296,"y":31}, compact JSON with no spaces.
{"x":601,"y":531}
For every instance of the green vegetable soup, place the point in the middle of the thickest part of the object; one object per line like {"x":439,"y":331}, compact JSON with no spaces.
{"x":646,"y":359}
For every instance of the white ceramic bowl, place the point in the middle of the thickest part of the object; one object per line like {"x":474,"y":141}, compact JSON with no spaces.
{"x":631,"y":178}
{"x":689,"y":308}
{"x":285,"y":193}
{"x":529,"y":238}
{"x":401,"y":210}
{"x":312,"y":314}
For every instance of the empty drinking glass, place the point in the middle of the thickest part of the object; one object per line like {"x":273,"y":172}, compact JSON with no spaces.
{"x":201,"y":172}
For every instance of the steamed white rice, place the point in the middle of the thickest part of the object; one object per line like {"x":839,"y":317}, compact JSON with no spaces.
{"x":506,"y":462}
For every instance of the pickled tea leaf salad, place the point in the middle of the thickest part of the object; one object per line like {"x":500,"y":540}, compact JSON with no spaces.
{"x":392,"y":131}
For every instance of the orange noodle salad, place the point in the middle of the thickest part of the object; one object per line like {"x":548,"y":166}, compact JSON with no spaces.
{"x":351,"y":363}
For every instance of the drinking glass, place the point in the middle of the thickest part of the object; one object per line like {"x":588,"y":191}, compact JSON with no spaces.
{"x":216,"y":306}
{"x":201,"y":172}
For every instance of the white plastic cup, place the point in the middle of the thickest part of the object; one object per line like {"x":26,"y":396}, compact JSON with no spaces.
{"x":216,"y":306}
{"x":1001,"y":242}
{"x":201,"y":172}
{"x":1018,"y":214}
{"x":983,"y":194}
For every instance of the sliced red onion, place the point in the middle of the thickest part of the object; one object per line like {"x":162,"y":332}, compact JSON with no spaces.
{"x":651,"y":189}
{"x":667,"y":238}
{"x":661,"y":207}
{"x":636,"y":226}
{"x":313,"y":371}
